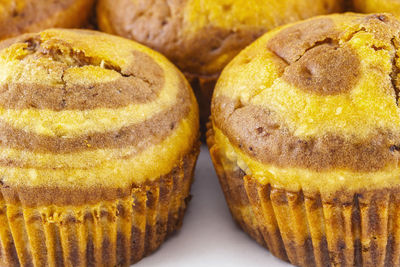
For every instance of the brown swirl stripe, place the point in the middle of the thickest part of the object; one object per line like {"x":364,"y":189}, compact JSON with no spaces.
{"x":152,"y":130}
{"x":139,"y":82}
{"x":314,"y":59}
{"x":41,"y":14}
{"x":311,"y":73}
{"x":64,"y":195}
{"x":266,"y":139}
{"x":291,"y":43}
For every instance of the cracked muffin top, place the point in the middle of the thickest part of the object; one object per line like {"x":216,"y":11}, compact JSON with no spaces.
{"x":199,"y":36}
{"x":21,"y":16}
{"x":371,"y":6}
{"x":314,"y":105}
{"x":74,"y":114}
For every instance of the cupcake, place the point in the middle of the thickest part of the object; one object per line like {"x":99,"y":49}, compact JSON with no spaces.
{"x":21,"y":16}
{"x":305,"y":139}
{"x":202,"y":36}
{"x":98,"y":146}
{"x":371,"y":6}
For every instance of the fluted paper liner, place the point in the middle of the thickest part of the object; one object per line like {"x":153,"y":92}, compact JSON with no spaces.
{"x":112,"y":233}
{"x":361,"y":229}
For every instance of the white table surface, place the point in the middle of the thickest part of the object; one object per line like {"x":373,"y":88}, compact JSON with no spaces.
{"x":209,"y":237}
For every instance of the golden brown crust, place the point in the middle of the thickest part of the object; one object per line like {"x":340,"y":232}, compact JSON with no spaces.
{"x":357,"y":228}
{"x":22,"y":16}
{"x":139,"y":82}
{"x":117,"y":231}
{"x":266,"y":139}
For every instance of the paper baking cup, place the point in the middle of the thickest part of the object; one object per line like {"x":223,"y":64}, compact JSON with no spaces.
{"x":342,"y":229}
{"x":110,"y":233}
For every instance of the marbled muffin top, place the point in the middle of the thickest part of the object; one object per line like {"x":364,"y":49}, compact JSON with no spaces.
{"x":82,"y":109}
{"x":315,"y":104}
{"x":199,"y":36}
{"x":20,"y":16}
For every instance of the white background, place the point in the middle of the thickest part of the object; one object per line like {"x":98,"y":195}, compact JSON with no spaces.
{"x":209,"y":237}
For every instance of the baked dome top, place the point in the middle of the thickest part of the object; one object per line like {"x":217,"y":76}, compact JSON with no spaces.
{"x":20,"y":16}
{"x":199,"y":36}
{"x":81,"y":108}
{"x":319,"y":95}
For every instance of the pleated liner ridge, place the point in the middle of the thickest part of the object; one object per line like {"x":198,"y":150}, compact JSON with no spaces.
{"x":311,"y":230}
{"x":115,"y":233}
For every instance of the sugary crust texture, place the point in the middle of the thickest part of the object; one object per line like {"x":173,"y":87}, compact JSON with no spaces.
{"x":114,"y":232}
{"x":344,"y":228}
{"x":21,"y":16}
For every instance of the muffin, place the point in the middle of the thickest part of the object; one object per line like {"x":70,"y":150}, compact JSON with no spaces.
{"x":98,"y":146}
{"x":202,"y":36}
{"x":21,"y":16}
{"x":305,"y":139}
{"x":371,"y":6}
